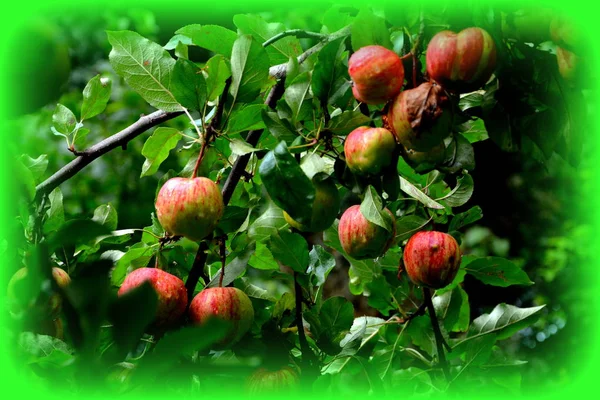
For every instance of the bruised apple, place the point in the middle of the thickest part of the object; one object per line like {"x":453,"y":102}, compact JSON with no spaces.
{"x":325,"y":206}
{"x":432,"y":259}
{"x":189,"y":207}
{"x":377,"y":73}
{"x":369,"y":150}
{"x":361,"y":238}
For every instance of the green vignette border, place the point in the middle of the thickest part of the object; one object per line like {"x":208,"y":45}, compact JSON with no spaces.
{"x":15,"y":14}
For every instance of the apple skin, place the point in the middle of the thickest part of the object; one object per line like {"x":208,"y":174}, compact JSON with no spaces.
{"x":171,"y":292}
{"x":568,"y":63}
{"x":420,"y":118}
{"x":432,"y":259}
{"x":369,"y":150}
{"x":362,"y":239}
{"x":377,"y":73}
{"x":189,"y":207}
{"x":326,"y":206}
{"x":227,"y":304}
{"x":265,"y":381}
{"x":15,"y":300}
{"x":462,"y":61}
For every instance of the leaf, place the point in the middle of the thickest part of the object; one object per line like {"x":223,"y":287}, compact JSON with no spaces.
{"x":461,"y":193}
{"x":157,"y":148}
{"x":106,"y":215}
{"x":497,"y":271}
{"x":232,"y":270}
{"x":217,"y":72}
{"x":286,"y":183}
{"x":369,"y":29}
{"x":415,"y":193}
{"x":37,"y":166}
{"x":363,"y":329}
{"x":468,"y":217}
{"x":281,"y":129}
{"x":249,"y":69}
{"x":372,"y":209}
{"x":262,"y":258}
{"x":335,"y":319}
{"x":296,"y":93}
{"x":55,"y":216}
{"x":268,"y":224}
{"x":43,"y":349}
{"x":96,"y":95}
{"x":188,"y":85}
{"x":136,"y":256}
{"x":248,"y":117}
{"x":63,"y":120}
{"x":479,"y":350}
{"x":459,"y":155}
{"x":233,"y":218}
{"x":408,"y":226}
{"x":280,"y":51}
{"x":321,"y":262}
{"x":347,"y":121}
{"x":329,"y":74}
{"x":291,"y":250}
{"x":255,"y":291}
{"x":211,"y":37}
{"x":145,"y":66}
{"x":76,"y":231}
{"x":454,"y":309}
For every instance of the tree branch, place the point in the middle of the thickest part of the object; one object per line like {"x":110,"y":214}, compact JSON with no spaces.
{"x":117,"y":140}
{"x":307,"y":355}
{"x":439,"y":339}
{"x":299,"y":33}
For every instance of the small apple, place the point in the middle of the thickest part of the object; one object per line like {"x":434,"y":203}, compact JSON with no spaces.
{"x":362,"y":239}
{"x":189,"y":207}
{"x":425,"y":158}
{"x":568,"y":63}
{"x":369,"y":150}
{"x":432,"y":259}
{"x":266,"y":381}
{"x":377,"y":73}
{"x":227,"y":304}
{"x":17,"y":292}
{"x":325,"y":206}
{"x":462,"y":61}
{"x":171,"y":292}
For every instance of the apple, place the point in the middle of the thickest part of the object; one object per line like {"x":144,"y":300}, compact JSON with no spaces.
{"x":463,"y":61}
{"x":432,"y":259}
{"x":189,"y":207}
{"x":171,"y":292}
{"x":431,"y":157}
{"x":325,"y":207}
{"x":227,"y":304}
{"x":377,"y":73}
{"x":568,"y":63}
{"x":420,"y":118}
{"x":362,"y":239}
{"x":369,"y":150}
{"x":565,"y":33}
{"x":281,"y":381}
{"x":17,"y":292}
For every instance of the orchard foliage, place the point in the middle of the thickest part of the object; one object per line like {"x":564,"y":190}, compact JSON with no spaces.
{"x":266,"y":111}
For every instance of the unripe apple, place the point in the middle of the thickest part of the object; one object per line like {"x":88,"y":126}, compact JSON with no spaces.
{"x":461,"y":61}
{"x":377,"y":73}
{"x":432,"y":157}
{"x":565,"y":33}
{"x":568,"y":63}
{"x":369,"y":150}
{"x":189,"y":207}
{"x":362,"y":239}
{"x":17,"y":289}
{"x":325,"y":208}
{"x":421,"y":118}
{"x":170,"y":290}
{"x":227,"y":304}
{"x":264,"y":381}
{"x":432,"y":259}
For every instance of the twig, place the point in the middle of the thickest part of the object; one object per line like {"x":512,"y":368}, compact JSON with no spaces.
{"x":299,"y":33}
{"x":197,"y":273}
{"x":87,"y":156}
{"x":222,"y":254}
{"x":307,"y":355}
{"x":439,"y":339}
{"x":416,"y":49}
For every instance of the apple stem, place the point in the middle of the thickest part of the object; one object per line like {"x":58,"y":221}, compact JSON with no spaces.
{"x":223,"y":258}
{"x":439,"y":339}
{"x":200,"y":156}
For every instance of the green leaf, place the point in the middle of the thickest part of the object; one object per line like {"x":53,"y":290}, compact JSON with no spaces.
{"x":291,"y":250}
{"x":157,"y":148}
{"x":280,"y":51}
{"x":37,"y":166}
{"x":459,"y":155}
{"x":336,"y":17}
{"x":25,"y":180}
{"x":415,"y":193}
{"x":211,"y":37}
{"x":217,"y":72}
{"x":255,"y":291}
{"x":96,"y":95}
{"x":55,"y":216}
{"x":245,"y":118}
{"x":497,"y":271}
{"x":249,"y":69}
{"x":330,"y":75}
{"x":188,"y":85}
{"x":372,"y":209}
{"x":336,"y":317}
{"x":286,"y":183}
{"x":145,"y":66}
{"x":137,"y":256}
{"x":63,"y":120}
{"x":232,"y":270}
{"x":280,"y":128}
{"x":43,"y":349}
{"x":267,"y":224}
{"x":296,"y":93}
{"x":479,"y":350}
{"x":233,"y":218}
{"x":369,"y":29}
{"x":321,"y":262}
{"x":408,"y":226}
{"x":77,"y":231}
{"x":461,"y":193}
{"x":262,"y":258}
{"x":363,"y":330}
{"x":347,"y":121}
{"x":453,"y":308}
{"x":106,"y":215}
{"x":468,"y":217}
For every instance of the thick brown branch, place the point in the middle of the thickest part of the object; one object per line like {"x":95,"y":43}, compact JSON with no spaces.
{"x":439,"y":339}
{"x":117,"y":140}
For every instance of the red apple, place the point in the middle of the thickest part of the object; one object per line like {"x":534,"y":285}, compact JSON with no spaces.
{"x":227,"y":304}
{"x":432,"y":259}
{"x":171,"y":292}
{"x":377,"y":73}
{"x":421,"y":118}
{"x":265,"y":381}
{"x":362,"y":239}
{"x":326,"y":206}
{"x":461,"y":61}
{"x":369,"y":150}
{"x":189,"y":207}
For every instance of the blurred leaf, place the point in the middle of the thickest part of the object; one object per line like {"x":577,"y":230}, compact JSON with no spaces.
{"x":372,"y":209}
{"x":291,"y":250}
{"x":188,"y":85}
{"x":217,"y":72}
{"x":63,"y":120}
{"x":157,"y":148}
{"x":473,"y":214}
{"x":77,"y":231}
{"x":249,"y":69}
{"x":45,"y":351}
{"x":37,"y":166}
{"x":369,"y":29}
{"x":497,"y":271}
{"x":215,"y":38}
{"x":55,"y":216}
{"x":459,"y":155}
{"x":25,"y":180}
{"x":96,"y":95}
{"x":136,"y":256}
{"x":106,"y":215}
{"x":330,"y":74}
